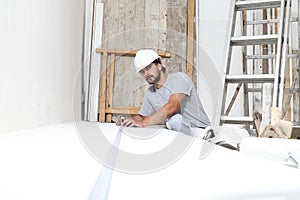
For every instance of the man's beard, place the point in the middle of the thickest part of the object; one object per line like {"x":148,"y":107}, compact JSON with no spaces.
{"x":156,"y":79}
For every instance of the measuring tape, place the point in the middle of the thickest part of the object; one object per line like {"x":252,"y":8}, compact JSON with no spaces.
{"x":101,"y":188}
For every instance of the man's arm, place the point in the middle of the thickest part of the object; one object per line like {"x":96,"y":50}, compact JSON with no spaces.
{"x":160,"y":116}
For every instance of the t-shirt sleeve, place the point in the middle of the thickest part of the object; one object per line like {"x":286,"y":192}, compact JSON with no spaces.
{"x":146,"y":108}
{"x":181,"y":83}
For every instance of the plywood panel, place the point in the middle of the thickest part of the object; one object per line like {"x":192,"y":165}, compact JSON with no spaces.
{"x":151,"y":23}
{"x":176,"y":34}
{"x":162,"y":33}
{"x":119,"y":24}
{"x":139,"y":24}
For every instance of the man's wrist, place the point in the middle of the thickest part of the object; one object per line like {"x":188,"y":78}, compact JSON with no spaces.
{"x":146,"y":121}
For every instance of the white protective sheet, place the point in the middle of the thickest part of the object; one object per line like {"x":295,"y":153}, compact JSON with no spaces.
{"x":283,"y":151}
{"x":53,"y":162}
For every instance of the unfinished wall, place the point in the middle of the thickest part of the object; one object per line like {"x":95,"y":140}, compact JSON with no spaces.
{"x":135,"y":24}
{"x":41,"y":52}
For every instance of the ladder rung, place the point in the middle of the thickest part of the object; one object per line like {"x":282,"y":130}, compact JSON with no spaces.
{"x":265,"y":21}
{"x":292,"y":55}
{"x":289,"y":89}
{"x":272,"y":56}
{"x":294,"y":19}
{"x":254,"y":40}
{"x":250,"y":78}
{"x":258,"y":4}
{"x":254,"y":89}
{"x":236,"y":120}
{"x":269,"y":21}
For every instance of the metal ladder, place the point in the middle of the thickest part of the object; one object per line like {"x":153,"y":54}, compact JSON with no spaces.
{"x":277,"y":42}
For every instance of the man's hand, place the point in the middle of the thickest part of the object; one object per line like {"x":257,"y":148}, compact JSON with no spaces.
{"x":132,"y":123}
{"x":118,"y":120}
{"x":135,"y":121}
{"x":159,"y":117}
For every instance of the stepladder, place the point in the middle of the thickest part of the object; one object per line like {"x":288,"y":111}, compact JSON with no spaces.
{"x":256,"y":52}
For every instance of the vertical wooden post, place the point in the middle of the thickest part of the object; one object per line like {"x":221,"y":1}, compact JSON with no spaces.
{"x":265,"y":62}
{"x":102,"y":87}
{"x":111,"y":86}
{"x":190,"y":38}
{"x":297,"y":110}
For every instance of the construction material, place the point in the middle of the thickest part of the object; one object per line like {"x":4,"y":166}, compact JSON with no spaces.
{"x":291,"y":92}
{"x":190,"y":38}
{"x":273,"y":132}
{"x":273,"y":127}
{"x":275,"y":116}
{"x":266,"y":106}
{"x":282,"y":151}
{"x":286,"y":127}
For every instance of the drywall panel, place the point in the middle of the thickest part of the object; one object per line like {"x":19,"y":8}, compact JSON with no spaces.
{"x":212,"y":31}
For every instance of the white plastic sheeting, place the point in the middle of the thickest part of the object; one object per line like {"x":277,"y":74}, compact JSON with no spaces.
{"x":53,"y":163}
{"x":282,"y":151}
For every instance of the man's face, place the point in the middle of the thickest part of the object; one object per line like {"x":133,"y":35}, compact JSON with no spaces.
{"x":151,"y":73}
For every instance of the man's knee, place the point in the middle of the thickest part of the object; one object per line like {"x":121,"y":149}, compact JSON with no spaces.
{"x":174,"y":122}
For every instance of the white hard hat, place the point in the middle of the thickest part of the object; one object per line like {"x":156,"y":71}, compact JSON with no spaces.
{"x":144,"y":58}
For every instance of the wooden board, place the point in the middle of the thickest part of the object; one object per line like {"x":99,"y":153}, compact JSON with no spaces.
{"x":190,"y":39}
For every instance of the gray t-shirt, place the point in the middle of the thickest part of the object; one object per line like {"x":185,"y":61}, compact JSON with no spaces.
{"x":191,"y":108}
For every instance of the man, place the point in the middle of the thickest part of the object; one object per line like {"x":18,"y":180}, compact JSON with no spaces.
{"x":171,"y":99}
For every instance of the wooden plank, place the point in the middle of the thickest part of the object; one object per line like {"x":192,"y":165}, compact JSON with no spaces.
{"x":124,"y":110}
{"x":236,"y":92}
{"x":111,"y":86}
{"x":190,"y":38}
{"x":152,"y":24}
{"x":129,"y":19}
{"x":102,"y":92}
{"x":162,"y":24}
{"x":176,"y":38}
{"x":130,"y":53}
{"x":265,"y":62}
{"x":139,"y":23}
{"x":111,"y":24}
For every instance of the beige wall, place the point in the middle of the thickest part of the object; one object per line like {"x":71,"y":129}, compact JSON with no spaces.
{"x":41,"y":52}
